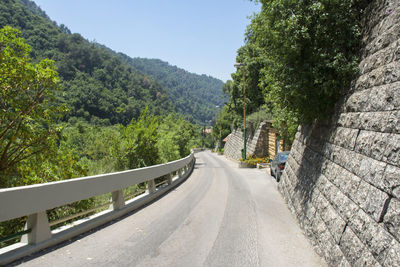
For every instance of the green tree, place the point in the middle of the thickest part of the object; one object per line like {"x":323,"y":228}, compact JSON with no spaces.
{"x":138,"y":144}
{"x":300,"y":56}
{"x":26,"y":115}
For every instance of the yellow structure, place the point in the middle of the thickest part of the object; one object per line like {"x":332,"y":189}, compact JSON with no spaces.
{"x":274,"y":144}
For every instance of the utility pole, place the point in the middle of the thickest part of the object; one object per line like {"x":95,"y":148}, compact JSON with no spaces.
{"x":238,"y":65}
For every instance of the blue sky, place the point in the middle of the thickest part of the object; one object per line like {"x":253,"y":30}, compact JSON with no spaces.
{"x":201,"y":36}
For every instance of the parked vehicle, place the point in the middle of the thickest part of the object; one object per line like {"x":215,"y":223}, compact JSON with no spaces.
{"x":278,"y":164}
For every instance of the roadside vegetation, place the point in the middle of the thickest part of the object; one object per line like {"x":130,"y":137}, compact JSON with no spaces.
{"x":37,"y":145}
{"x":299,"y":56}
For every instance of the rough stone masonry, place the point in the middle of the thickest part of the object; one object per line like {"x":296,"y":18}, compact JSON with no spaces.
{"x":342,"y":180}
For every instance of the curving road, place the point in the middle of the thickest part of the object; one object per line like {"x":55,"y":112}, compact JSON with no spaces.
{"x":221,"y":216}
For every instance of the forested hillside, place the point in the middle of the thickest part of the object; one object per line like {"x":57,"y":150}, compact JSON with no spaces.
{"x":98,"y":85}
{"x":192,"y":94}
{"x":71,"y":108}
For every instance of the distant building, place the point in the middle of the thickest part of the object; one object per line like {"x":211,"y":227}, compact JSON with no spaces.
{"x":207,"y":131}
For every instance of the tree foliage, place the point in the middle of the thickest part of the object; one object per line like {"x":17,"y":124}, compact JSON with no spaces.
{"x":105,"y":87}
{"x":195,"y":96}
{"x":138,"y":144}
{"x":106,"y":129}
{"x":26,"y":117}
{"x":300,"y":56}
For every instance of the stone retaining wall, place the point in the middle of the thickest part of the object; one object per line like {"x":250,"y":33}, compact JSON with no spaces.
{"x":257,"y":143}
{"x":342,"y":180}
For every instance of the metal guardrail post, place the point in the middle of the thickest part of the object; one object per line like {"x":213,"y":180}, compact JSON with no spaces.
{"x":40,"y":228}
{"x":118,"y":201}
{"x":170,"y":178}
{"x":151,"y":186}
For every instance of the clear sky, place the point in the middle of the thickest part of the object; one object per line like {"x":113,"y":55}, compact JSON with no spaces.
{"x":200,"y":36}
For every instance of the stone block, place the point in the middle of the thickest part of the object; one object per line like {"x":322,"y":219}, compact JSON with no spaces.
{"x":391,"y":180}
{"x":310,"y":211}
{"x":392,"y":122}
{"x":352,"y":162}
{"x":393,"y":256}
{"x":333,"y":222}
{"x":370,"y":199}
{"x":344,"y":263}
{"x":328,"y":151}
{"x":392,"y":218}
{"x":330,"y":170}
{"x":346,"y":137}
{"x":384,"y":98}
{"x":359,"y":101}
{"x":354,"y":120}
{"x":372,"y":171}
{"x":363,"y":142}
{"x":324,"y":186}
{"x":384,"y":38}
{"x":336,"y":154}
{"x":351,"y":246}
{"x":372,"y":234}
{"x":372,"y":144}
{"x":379,"y":147}
{"x":335,"y":255}
{"x":363,"y":83}
{"x":372,"y":121}
{"x":392,"y":151}
{"x":381,"y":58}
{"x":329,"y":250}
{"x":367,"y":260}
{"x":343,"y":120}
{"x":343,"y":204}
{"x":391,"y":74}
{"x":347,"y":159}
{"x":396,"y":52}
{"x":347,"y":182}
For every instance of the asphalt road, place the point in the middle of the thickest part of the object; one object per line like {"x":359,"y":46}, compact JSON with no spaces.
{"x":220,"y":216}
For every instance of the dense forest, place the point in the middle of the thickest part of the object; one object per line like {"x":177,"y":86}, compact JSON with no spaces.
{"x":67,"y":96}
{"x":103,"y":87}
{"x":298,"y":59}
{"x":194,"y":95}
{"x":95,"y":84}
{"x":71,"y":108}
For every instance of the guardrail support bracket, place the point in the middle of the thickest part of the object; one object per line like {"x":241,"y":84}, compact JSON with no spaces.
{"x":40,"y":228}
{"x":118,"y":200}
{"x":151,"y":186}
{"x":170,"y":178}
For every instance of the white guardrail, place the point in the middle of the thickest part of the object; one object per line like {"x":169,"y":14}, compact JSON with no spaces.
{"x":34,"y":200}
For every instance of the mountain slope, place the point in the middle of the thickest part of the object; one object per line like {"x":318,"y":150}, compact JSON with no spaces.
{"x":191,"y":93}
{"x":103,"y":86}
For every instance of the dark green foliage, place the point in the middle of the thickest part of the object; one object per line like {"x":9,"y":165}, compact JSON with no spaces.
{"x":27,"y":116}
{"x":225,"y":122}
{"x":193,"y":95}
{"x":29,"y":137}
{"x":301,"y":56}
{"x":311,"y":49}
{"x":137,"y":146}
{"x":105,"y":87}
{"x":100,"y":89}
{"x":97,"y":85}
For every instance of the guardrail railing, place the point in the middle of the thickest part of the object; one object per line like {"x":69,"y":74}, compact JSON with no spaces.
{"x":34,"y":200}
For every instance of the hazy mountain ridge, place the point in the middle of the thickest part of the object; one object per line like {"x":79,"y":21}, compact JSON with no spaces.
{"x":103,"y":86}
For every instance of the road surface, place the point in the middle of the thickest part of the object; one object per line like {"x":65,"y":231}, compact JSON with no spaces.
{"x":220,"y":216}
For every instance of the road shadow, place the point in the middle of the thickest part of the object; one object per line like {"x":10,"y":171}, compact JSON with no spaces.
{"x":311,"y":154}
